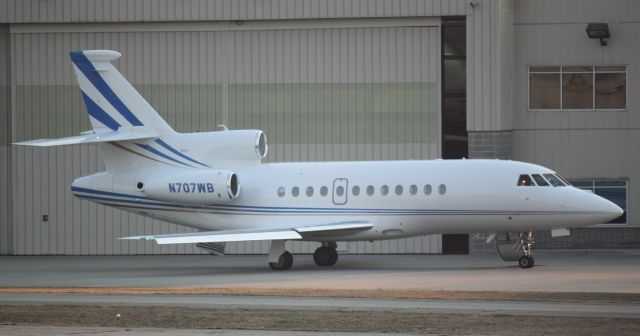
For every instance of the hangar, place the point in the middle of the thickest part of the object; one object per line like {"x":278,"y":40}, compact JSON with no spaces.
{"x":326,"y":80}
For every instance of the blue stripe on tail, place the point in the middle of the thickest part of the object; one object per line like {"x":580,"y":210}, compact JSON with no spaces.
{"x":174,"y":151}
{"x":98,"y":113}
{"x":158,"y":153}
{"x":87,"y":68}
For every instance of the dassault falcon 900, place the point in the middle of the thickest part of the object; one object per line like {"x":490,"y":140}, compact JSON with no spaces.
{"x":215,"y":182}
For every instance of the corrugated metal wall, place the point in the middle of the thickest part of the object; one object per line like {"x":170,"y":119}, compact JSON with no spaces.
{"x":5,"y":139}
{"x":20,"y":11}
{"x":489,"y":66}
{"x":366,"y":91}
{"x":579,"y":144}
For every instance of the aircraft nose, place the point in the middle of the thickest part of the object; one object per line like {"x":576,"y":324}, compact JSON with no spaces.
{"x":604,"y":206}
{"x":599,"y":209}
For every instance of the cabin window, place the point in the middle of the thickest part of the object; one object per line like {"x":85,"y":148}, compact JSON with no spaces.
{"x":324,"y":191}
{"x":525,"y":181}
{"x":427,"y":189}
{"x":355,"y":190}
{"x":399,"y":190}
{"x":556,"y":182}
{"x":384,"y":190}
{"x":281,"y":191}
{"x":370,"y":190}
{"x":309,"y":191}
{"x":413,"y":189}
{"x":442,"y":189}
{"x":295,"y":191}
{"x":340,"y":190}
{"x":540,"y":180}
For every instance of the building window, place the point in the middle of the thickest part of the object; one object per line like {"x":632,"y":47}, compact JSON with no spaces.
{"x":613,"y":190}
{"x":578,"y":88}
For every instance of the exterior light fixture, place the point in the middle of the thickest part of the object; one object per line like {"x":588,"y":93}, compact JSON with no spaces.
{"x":600,"y":31}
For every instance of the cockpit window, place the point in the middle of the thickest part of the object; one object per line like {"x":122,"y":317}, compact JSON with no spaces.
{"x":525,"y":180}
{"x":563,"y":180}
{"x":540,"y":180}
{"x":556,"y":182}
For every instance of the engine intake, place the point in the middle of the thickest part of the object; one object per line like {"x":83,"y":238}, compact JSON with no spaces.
{"x":199,"y":187}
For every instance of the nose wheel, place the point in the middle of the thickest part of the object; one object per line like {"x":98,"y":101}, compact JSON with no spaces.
{"x":526,"y":244}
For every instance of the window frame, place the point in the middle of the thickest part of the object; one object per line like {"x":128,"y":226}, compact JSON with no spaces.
{"x":593,"y":92}
{"x":593,"y":188}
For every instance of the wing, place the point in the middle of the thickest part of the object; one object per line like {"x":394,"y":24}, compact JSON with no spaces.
{"x":254,"y":234}
{"x":122,"y":134}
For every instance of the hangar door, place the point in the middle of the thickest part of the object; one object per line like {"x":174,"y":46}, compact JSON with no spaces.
{"x":323,"y":90}
{"x":361,"y":93}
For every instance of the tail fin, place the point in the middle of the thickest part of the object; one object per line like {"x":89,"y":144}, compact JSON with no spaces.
{"x":110,"y":99}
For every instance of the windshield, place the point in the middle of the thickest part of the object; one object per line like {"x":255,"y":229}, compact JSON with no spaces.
{"x":556,"y":182}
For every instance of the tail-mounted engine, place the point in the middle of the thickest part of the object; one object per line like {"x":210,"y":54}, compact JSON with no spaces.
{"x":199,"y":187}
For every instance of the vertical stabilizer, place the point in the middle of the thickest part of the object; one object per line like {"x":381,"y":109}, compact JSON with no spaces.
{"x":111,"y":101}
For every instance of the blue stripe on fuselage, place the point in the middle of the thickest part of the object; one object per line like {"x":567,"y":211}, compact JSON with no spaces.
{"x":142,"y":200}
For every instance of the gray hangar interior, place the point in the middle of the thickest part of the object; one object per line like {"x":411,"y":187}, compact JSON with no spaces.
{"x":326,"y":80}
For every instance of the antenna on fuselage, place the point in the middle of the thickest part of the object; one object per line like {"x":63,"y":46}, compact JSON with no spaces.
{"x":223,"y":126}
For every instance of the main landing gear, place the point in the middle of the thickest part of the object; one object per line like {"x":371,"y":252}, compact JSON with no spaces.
{"x":526,"y":244}
{"x":284,"y":262}
{"x":326,"y":255}
{"x":279,"y":258}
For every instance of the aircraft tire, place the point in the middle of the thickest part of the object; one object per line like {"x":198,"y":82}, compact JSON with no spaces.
{"x":334,"y":257}
{"x":284,"y":262}
{"x":325,"y":256}
{"x":525,"y":262}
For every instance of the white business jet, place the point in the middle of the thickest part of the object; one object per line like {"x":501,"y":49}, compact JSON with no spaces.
{"x":215,"y":182}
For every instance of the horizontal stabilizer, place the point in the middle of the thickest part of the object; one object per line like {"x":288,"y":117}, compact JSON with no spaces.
{"x":122,"y":134}
{"x":294,"y":233}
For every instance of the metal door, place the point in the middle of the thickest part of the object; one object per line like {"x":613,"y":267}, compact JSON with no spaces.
{"x":340,"y":188}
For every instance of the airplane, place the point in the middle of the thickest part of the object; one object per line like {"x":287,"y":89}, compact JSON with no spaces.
{"x":216,"y":182}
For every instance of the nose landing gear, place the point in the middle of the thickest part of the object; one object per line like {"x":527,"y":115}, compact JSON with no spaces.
{"x":518,"y":248}
{"x":526,"y":244}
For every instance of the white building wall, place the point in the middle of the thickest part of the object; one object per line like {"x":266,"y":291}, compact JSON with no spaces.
{"x":579,"y":144}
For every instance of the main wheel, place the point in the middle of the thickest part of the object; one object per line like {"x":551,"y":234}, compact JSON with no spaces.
{"x":525,"y":262}
{"x":325,"y":256}
{"x":284,"y":262}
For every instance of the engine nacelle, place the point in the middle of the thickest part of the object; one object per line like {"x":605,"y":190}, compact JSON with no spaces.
{"x":199,"y":187}
{"x":237,"y":145}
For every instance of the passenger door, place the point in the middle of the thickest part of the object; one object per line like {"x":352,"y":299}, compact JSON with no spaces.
{"x":340,"y":189}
